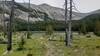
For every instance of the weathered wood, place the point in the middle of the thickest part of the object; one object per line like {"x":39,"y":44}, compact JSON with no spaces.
{"x":28,"y":25}
{"x":9,"y":33}
{"x":68,"y":21}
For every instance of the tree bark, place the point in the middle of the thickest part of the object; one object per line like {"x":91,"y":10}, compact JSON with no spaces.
{"x":9,"y":34}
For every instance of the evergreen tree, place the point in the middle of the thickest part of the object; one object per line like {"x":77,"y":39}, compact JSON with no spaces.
{"x":97,"y":28}
{"x":49,"y":28}
{"x":83,"y":28}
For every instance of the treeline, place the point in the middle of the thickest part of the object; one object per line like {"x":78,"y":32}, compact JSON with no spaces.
{"x":90,"y":23}
{"x":21,"y":25}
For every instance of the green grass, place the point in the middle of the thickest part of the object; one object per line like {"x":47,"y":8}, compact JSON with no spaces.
{"x":33,"y":46}
{"x":81,"y":45}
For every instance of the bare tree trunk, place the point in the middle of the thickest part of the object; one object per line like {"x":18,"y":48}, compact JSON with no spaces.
{"x":68,"y":23}
{"x":4,"y":25}
{"x":9,"y":34}
{"x":28,"y":25}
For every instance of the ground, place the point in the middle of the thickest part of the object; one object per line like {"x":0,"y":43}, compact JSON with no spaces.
{"x":40,"y":45}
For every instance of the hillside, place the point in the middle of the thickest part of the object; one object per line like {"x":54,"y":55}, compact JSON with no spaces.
{"x":52,"y":12}
{"x":38,"y":13}
{"x":22,"y":12}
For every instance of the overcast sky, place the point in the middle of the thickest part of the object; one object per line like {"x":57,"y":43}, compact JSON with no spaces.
{"x":82,"y":5}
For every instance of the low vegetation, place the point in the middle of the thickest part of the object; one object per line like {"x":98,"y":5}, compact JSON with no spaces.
{"x":39,"y":45}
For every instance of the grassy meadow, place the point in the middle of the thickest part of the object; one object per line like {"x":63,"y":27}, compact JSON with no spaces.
{"x":39,"y":45}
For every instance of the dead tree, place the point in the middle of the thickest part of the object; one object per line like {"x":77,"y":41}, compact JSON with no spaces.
{"x":68,"y":23}
{"x":28,"y":25}
{"x":9,"y":33}
{"x":4,"y":28}
{"x":66,"y":16}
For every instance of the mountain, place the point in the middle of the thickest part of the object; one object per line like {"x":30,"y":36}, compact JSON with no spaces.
{"x":95,"y":12}
{"x":52,"y":12}
{"x":42,"y":12}
{"x":22,"y":11}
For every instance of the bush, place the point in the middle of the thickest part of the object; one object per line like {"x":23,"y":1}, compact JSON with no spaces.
{"x":29,"y":55}
{"x":49,"y":30}
{"x":97,"y":33}
{"x":97,"y":46}
{"x":2,"y":41}
{"x":21,"y":44}
{"x":88,"y":35}
{"x":29,"y":35}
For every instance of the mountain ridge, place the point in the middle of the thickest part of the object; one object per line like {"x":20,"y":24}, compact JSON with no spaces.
{"x":53,"y":12}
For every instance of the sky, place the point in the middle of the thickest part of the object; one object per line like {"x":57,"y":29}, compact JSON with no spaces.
{"x":83,"y":6}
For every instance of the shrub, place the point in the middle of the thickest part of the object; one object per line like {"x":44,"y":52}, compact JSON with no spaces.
{"x":21,"y":44}
{"x":97,"y":33}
